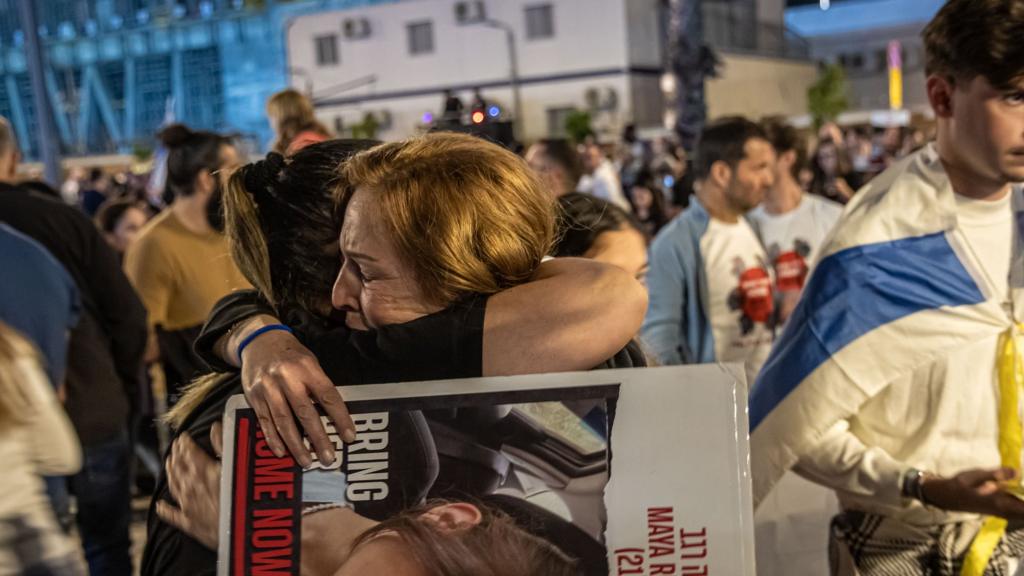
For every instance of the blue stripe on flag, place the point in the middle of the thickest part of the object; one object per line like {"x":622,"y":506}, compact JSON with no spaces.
{"x":851,"y":293}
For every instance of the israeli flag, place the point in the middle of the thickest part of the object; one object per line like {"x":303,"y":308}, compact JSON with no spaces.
{"x":896,"y":286}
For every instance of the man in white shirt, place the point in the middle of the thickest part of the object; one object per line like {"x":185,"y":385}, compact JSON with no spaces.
{"x":922,"y":465}
{"x":711,"y":293}
{"x":792,"y":225}
{"x":600,"y":178}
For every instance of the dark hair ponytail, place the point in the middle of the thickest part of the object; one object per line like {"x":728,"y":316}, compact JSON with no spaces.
{"x":583,"y":217}
{"x":190,"y":152}
{"x":280,"y":215}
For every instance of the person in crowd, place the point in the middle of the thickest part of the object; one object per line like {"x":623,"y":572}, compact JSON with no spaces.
{"x":479,"y":103}
{"x":556,"y":164}
{"x":834,"y":177}
{"x":36,"y":438}
{"x":294,"y":122}
{"x":180,"y":262}
{"x":95,"y":191}
{"x":648,"y":203}
{"x":455,"y":537}
{"x":896,"y":382}
{"x":104,"y":360}
{"x":568,"y":315}
{"x":121,"y":221}
{"x":791,"y":225}
{"x":593,"y":228}
{"x":600,"y":178}
{"x":453,"y":107}
{"x":70,"y":189}
{"x":711,"y":297}
{"x":40,"y":301}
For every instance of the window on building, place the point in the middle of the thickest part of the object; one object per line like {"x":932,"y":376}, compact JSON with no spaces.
{"x":421,"y":37}
{"x":326,"y":50}
{"x":540,"y":22}
{"x":881,"y":60}
{"x":556,"y":121}
{"x":854,"y":61}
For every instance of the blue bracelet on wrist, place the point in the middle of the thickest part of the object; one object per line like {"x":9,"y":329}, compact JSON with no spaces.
{"x":248,"y":339}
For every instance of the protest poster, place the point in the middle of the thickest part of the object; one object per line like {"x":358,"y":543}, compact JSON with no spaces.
{"x":631,"y":471}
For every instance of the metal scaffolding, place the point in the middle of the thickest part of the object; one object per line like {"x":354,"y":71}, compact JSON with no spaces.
{"x":115,"y":70}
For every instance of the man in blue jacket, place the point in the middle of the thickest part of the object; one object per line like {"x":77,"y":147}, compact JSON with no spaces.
{"x":711,"y":290}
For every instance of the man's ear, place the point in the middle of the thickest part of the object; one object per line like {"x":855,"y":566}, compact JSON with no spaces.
{"x":721,"y":174}
{"x":453,"y":517}
{"x":940,"y":95}
{"x":787,"y":159}
{"x":205,"y":181}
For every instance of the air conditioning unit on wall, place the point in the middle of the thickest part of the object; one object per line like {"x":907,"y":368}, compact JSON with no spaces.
{"x":356,"y":28}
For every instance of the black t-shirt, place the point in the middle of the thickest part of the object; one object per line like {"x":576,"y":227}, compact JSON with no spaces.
{"x":447,"y":344}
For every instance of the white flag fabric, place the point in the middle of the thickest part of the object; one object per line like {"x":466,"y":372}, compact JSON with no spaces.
{"x":895,"y":287}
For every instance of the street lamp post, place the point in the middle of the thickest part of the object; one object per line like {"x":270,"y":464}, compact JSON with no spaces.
{"x":513,"y":60}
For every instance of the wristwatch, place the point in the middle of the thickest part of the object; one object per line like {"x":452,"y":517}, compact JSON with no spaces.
{"x":912,"y":486}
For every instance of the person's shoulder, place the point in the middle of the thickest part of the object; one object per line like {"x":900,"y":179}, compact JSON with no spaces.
{"x":758,"y":214}
{"x":163,"y":224}
{"x":152,"y":244}
{"x":30,"y":255}
{"x":14,"y":242}
{"x":160,"y":230}
{"x":823,"y":206}
{"x":32,"y":201}
{"x":690,"y":222}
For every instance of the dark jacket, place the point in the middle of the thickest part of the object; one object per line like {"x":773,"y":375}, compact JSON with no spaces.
{"x":106,"y":348}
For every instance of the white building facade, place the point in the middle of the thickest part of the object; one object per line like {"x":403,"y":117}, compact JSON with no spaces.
{"x":856,"y":35}
{"x":606,"y":57}
{"x":601,"y":55}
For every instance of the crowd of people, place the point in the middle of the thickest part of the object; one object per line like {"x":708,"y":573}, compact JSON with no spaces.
{"x":867,"y":281}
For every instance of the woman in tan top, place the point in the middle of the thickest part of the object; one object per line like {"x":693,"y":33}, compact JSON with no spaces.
{"x":180,"y":264}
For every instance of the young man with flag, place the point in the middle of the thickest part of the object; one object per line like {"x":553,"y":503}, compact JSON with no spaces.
{"x":897,"y":381}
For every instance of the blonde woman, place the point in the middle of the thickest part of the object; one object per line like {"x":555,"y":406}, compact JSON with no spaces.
{"x":36,"y":438}
{"x":295,"y":126}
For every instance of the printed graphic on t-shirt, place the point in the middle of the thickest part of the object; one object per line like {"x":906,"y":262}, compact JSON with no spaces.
{"x":752,"y":296}
{"x":790,"y":265}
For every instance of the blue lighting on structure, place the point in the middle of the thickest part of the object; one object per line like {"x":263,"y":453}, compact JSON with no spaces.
{"x":494,"y":111}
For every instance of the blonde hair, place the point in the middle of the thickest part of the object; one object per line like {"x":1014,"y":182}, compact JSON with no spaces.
{"x":466,"y":215}
{"x":7,"y":140}
{"x":292,"y":114}
{"x":19,"y":361}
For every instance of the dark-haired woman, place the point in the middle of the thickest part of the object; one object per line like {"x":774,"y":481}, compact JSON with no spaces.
{"x":593,"y":228}
{"x":648,"y":203}
{"x":120,"y":221}
{"x":834,"y":177}
{"x":509,"y":314}
{"x":180,"y":263}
